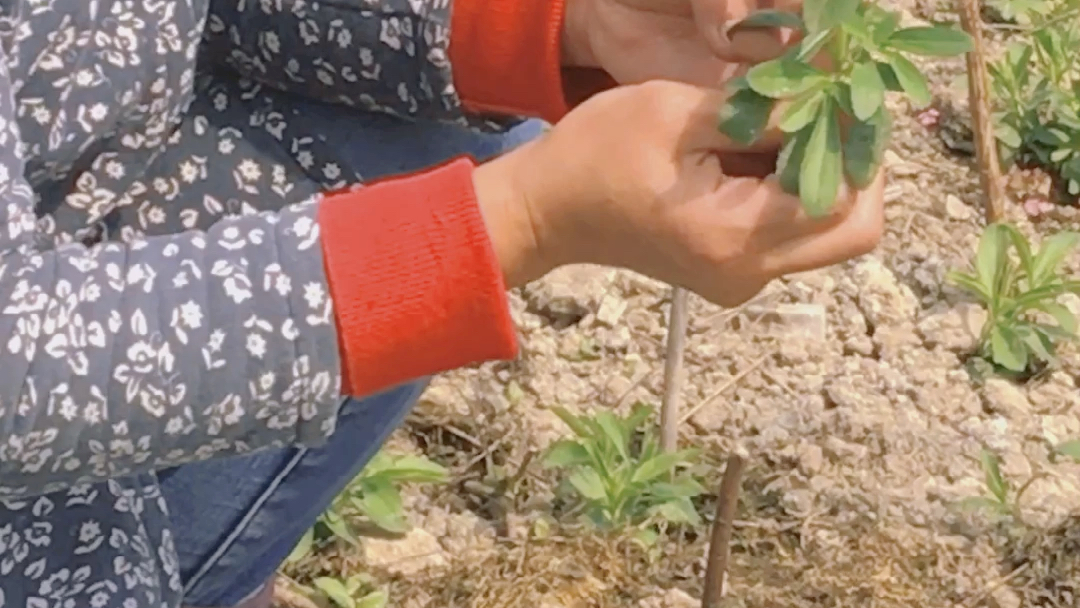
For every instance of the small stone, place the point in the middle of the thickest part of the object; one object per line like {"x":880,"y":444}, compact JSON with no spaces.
{"x":955,"y":209}
{"x":806,"y":320}
{"x":611,"y":310}
{"x":899,"y":166}
{"x":418,"y":551}
{"x":956,"y":329}
{"x":1072,"y":302}
{"x":1005,"y":398}
{"x":880,"y":296}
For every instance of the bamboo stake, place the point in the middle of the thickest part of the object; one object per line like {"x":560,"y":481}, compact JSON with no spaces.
{"x":986,"y":153}
{"x":719,"y":544}
{"x":673,"y":371}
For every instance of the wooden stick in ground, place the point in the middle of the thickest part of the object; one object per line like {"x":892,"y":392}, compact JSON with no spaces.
{"x":719,"y":544}
{"x":673,"y":371}
{"x":982,"y":123}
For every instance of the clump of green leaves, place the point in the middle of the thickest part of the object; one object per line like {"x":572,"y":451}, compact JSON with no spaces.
{"x":1025,"y":322}
{"x":372,"y":499}
{"x":356,"y":591}
{"x":615,"y":470}
{"x":1001,"y":498}
{"x":1036,"y":88}
{"x":835,"y":122}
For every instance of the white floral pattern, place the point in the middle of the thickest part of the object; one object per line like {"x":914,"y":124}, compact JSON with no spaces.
{"x":162,"y":293}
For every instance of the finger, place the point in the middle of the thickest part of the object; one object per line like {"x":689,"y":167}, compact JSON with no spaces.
{"x":852,"y":233}
{"x":711,"y":17}
{"x":782,"y":218}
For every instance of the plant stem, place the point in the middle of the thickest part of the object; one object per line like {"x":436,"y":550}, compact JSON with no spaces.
{"x":719,"y":545}
{"x":673,"y":371}
{"x":986,"y":153}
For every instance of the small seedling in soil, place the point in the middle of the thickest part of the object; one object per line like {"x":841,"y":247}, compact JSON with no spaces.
{"x":834,"y":118}
{"x":616,"y":471}
{"x":1016,"y":293}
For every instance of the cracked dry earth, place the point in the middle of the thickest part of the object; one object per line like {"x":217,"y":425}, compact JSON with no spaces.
{"x":848,"y":388}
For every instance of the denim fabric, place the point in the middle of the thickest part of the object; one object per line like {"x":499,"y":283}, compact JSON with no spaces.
{"x":235,"y":519}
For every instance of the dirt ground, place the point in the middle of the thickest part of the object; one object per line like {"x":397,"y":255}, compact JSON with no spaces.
{"x":863,"y":428}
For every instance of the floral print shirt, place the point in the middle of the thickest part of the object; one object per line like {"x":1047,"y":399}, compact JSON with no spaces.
{"x":162,"y":293}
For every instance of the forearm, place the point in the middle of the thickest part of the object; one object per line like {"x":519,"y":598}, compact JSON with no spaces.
{"x":465,"y":61}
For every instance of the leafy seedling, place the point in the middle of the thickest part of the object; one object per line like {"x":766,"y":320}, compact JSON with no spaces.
{"x":831,"y":87}
{"x":616,"y":472}
{"x":1020,"y":296}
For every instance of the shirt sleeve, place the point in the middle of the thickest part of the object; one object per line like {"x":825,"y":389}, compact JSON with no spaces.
{"x":465,"y":61}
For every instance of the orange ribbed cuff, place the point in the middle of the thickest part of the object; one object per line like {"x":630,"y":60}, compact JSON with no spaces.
{"x":416,"y":285}
{"x":506,"y":57}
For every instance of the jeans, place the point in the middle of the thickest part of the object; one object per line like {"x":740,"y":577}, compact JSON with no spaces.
{"x":236,"y":519}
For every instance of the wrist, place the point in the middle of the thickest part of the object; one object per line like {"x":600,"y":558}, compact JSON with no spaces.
{"x":513,"y":226}
{"x":576,"y":51}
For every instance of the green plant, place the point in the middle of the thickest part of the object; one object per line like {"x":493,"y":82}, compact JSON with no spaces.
{"x":1036,"y":87}
{"x":1016,"y":292}
{"x":616,"y":470}
{"x":373,"y":499}
{"x":357,"y":591}
{"x":1000,"y":499}
{"x":835,"y":122}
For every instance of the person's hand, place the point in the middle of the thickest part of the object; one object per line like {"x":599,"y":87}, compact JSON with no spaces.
{"x":683,"y":40}
{"x":639,"y":177}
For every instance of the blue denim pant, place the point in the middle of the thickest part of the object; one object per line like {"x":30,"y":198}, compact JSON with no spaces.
{"x":236,"y":519}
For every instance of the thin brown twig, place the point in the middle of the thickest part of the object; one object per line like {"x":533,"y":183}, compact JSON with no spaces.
{"x":982,"y":123}
{"x":673,"y":371}
{"x":719,"y":544}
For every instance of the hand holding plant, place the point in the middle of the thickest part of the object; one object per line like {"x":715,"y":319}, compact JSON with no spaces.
{"x":834,"y":118}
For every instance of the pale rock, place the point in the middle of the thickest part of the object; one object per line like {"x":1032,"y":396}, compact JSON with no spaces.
{"x":611,"y":310}
{"x":672,"y":598}
{"x":882,"y":299}
{"x":568,"y":294}
{"x":899,"y":166}
{"x":954,"y":208}
{"x":1005,"y":398}
{"x":791,"y":320}
{"x":418,"y":551}
{"x":956,"y":329}
{"x":1072,"y":302}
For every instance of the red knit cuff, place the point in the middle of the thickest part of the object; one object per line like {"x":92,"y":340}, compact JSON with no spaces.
{"x":417,"y":288}
{"x":507,"y":59}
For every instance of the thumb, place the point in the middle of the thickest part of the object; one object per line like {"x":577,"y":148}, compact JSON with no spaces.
{"x":715,"y":19}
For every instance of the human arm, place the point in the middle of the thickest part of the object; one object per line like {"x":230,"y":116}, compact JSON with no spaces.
{"x":418,"y":59}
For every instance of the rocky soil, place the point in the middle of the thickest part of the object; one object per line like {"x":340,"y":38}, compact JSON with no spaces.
{"x":847,"y":386}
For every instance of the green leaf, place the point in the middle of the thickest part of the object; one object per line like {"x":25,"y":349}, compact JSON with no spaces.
{"x":303,"y":547}
{"x":1037,"y":341}
{"x":576,"y":424}
{"x":820,"y":15}
{"x":974,"y":503}
{"x":1051,"y":254}
{"x":565,"y":453}
{"x":991,"y":258}
{"x":888,"y":77}
{"x":1064,"y":317}
{"x":415,"y":469}
{"x":614,"y":432}
{"x":678,"y":511}
{"x":991,"y":466}
{"x":375,"y":599}
{"x":684,"y":487}
{"x":970,"y":283}
{"x":660,"y":464}
{"x":934,"y":41}
{"x":802,"y":111}
{"x":821,"y":169}
{"x":1007,"y":350}
{"x":1069,"y":449}
{"x":784,"y":77}
{"x":381,"y":503}
{"x":335,"y":590}
{"x":745,"y":115}
{"x":789,"y":162}
{"x":865,"y":147}
{"x":769,"y":18}
{"x":587,"y":482}
{"x":882,"y":23}
{"x":911,"y":80}
{"x":810,"y":46}
{"x":867,"y":90}
{"x":339,"y":527}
